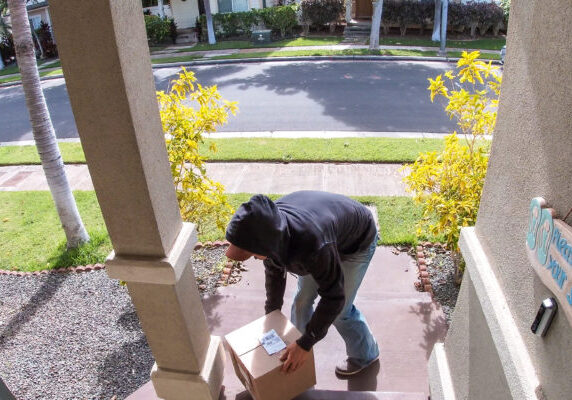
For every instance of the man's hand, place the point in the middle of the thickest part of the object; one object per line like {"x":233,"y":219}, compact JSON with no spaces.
{"x":294,"y":356}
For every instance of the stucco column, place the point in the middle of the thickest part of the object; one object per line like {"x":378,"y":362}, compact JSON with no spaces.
{"x":348,"y":11}
{"x":106,"y":63}
{"x":490,"y":350}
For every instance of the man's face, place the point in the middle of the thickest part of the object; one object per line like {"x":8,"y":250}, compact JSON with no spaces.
{"x":236,"y":253}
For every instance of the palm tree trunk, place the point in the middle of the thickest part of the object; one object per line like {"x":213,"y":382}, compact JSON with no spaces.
{"x":210,"y":26}
{"x":35,"y":37}
{"x":375,"y":25}
{"x":437,"y":22}
{"x":42,"y":127}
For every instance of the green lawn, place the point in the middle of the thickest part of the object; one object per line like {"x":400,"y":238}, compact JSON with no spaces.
{"x":322,"y":53}
{"x":320,"y":150}
{"x":20,"y":155}
{"x":326,"y":53}
{"x":32,"y":239}
{"x":42,"y":74}
{"x":483,"y":56}
{"x":482,"y":44}
{"x":12,"y":69}
{"x":245,"y":44}
{"x":175,"y":59}
{"x":268,"y":149}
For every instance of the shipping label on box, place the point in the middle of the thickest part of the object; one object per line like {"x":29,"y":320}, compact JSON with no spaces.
{"x":258,"y":370}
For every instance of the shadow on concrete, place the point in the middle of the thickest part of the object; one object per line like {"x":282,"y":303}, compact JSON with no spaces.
{"x":435,"y":328}
{"x":211,"y":307}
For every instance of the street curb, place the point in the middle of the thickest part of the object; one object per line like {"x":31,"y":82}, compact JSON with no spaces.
{"x":304,"y":58}
{"x":279,"y":59}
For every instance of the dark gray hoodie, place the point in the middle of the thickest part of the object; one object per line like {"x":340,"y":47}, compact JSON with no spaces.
{"x":305,"y":232}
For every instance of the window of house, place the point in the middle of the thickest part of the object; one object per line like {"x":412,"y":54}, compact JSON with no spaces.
{"x":154,"y":3}
{"x":226,"y":6}
{"x":35,"y":21}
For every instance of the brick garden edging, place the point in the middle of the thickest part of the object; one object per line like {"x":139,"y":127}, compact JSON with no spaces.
{"x":424,"y":283}
{"x":99,"y":266}
{"x":79,"y":268}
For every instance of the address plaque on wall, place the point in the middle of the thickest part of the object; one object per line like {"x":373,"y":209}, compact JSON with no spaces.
{"x":549,"y":245}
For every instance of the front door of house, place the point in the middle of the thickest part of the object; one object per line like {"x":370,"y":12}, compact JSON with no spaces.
{"x":364,"y":9}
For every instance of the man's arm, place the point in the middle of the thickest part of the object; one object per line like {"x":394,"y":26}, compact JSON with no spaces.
{"x":275,"y":284}
{"x":327,"y":272}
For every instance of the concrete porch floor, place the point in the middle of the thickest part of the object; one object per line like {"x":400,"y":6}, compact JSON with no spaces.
{"x":405,"y":322}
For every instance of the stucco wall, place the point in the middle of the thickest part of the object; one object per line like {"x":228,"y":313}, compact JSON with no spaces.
{"x":532,"y":156}
{"x":488,"y":380}
{"x":186,"y":12}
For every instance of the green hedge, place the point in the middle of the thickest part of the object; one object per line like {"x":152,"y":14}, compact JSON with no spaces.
{"x":461,"y":16}
{"x":160,"y":29}
{"x":322,"y":12}
{"x":281,"y":20}
{"x":396,"y":13}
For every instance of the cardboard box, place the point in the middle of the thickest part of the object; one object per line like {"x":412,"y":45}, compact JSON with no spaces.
{"x":260,"y":372}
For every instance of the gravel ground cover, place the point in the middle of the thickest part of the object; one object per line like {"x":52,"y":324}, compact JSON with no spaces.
{"x":442,"y":276}
{"x":76,"y":335}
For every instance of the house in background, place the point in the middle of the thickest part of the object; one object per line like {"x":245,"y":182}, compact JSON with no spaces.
{"x":37,"y":12}
{"x":185,"y":12}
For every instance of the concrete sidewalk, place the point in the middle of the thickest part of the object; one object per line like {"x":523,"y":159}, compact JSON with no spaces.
{"x":276,"y":178}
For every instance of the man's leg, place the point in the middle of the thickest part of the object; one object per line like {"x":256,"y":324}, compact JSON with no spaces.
{"x":361,"y":346}
{"x":303,"y":304}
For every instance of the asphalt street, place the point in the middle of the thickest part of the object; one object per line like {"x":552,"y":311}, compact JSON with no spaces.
{"x":374,"y":96}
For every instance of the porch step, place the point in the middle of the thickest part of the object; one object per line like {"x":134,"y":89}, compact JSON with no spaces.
{"x":357,"y":29}
{"x":346,"y":395}
{"x":186,"y":36}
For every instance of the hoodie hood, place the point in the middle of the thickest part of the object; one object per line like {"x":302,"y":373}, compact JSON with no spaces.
{"x":259,"y":227}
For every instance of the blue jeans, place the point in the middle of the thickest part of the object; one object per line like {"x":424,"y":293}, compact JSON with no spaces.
{"x":361,"y":346}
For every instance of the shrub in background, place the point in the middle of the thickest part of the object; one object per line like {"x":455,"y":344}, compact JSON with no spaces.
{"x":280,"y":19}
{"x":322,"y":12}
{"x":200,"y":199}
{"x":448,"y":184}
{"x":158,"y":29}
{"x":7,"y":50}
{"x":425,"y":14}
{"x":46,"y":39}
{"x":505,"y":5}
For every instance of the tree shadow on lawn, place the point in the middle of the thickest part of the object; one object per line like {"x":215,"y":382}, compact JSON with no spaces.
{"x":365,"y":96}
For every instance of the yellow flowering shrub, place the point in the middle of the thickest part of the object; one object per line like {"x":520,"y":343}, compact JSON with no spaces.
{"x":448,"y":185}
{"x":188,"y":111}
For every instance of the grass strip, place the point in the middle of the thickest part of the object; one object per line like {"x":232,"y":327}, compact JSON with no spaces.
{"x":244,"y":44}
{"x":42,"y":74}
{"x":326,"y":53}
{"x":483,"y":56}
{"x":175,"y":59}
{"x":12,"y":69}
{"x":72,"y":153}
{"x":393,"y":150}
{"x":478,"y":44}
{"x":482,"y":44}
{"x":33,"y":240}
